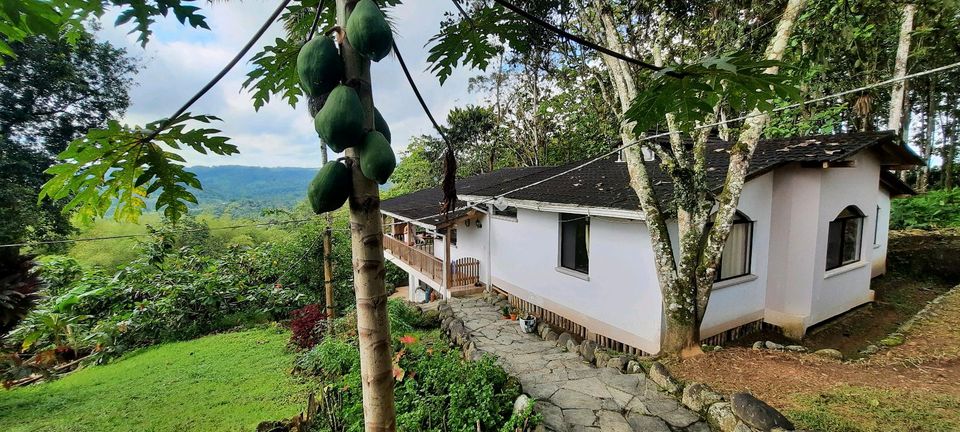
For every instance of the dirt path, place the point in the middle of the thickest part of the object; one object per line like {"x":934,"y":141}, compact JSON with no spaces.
{"x":922,"y":374}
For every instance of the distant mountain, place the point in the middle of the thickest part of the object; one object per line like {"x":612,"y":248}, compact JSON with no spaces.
{"x":246,"y":190}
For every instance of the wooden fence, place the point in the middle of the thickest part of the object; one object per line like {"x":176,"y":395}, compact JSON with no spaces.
{"x":465,"y":272}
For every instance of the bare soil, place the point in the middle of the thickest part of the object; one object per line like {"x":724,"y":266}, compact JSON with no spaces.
{"x":910,"y":387}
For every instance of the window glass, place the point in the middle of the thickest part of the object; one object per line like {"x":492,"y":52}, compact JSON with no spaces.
{"x":844,"y":238}
{"x":736,"y":257}
{"x":575,"y":242}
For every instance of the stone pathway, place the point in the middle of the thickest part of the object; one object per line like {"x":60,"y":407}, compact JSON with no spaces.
{"x":571,"y":394}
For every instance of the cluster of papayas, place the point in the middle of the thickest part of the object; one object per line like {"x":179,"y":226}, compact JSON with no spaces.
{"x":340,"y":121}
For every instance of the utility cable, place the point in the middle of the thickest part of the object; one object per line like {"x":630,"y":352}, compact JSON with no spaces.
{"x":572,"y":37}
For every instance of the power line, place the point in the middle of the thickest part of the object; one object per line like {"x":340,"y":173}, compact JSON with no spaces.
{"x":316,"y":21}
{"x":570,"y":36}
{"x":223,"y":72}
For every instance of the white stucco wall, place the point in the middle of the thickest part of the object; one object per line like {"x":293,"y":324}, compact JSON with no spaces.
{"x":739,"y":301}
{"x":879,"y":264}
{"x":619,"y":298}
{"x":471,"y":243}
{"x":800,"y":292}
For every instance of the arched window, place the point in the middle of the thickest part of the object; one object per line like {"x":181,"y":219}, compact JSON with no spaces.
{"x":736,"y":258}
{"x":843,"y":238}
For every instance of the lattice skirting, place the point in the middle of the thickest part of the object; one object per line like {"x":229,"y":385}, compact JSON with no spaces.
{"x":581,"y":332}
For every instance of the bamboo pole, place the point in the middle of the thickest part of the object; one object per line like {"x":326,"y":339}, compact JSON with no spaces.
{"x":373,"y":325}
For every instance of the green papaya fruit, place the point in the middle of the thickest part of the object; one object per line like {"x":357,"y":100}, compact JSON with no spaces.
{"x":330,"y":188}
{"x":340,"y":122}
{"x":319,"y":66}
{"x":368,"y":31}
{"x":381,"y":125}
{"x":377,"y":160}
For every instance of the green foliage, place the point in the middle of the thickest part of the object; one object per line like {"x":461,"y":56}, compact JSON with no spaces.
{"x":932,"y":210}
{"x":224,"y":382}
{"x":417,"y":170}
{"x":106,"y":168}
{"x":24,"y":18}
{"x":524,"y":420}
{"x":435,"y":390}
{"x":735,"y":78}
{"x":331,"y":358}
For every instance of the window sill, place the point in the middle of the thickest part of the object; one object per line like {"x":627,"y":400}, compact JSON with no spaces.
{"x":573,"y":273}
{"x":844,"y":269}
{"x":735,"y":281}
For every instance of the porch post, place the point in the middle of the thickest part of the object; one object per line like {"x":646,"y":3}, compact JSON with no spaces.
{"x":446,"y":260}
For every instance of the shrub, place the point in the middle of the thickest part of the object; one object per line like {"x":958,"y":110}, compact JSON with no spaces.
{"x":932,"y":210}
{"x":331,"y":358}
{"x":307,"y":326}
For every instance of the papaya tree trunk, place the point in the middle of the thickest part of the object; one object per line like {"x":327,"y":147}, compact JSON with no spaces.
{"x":366,"y":231}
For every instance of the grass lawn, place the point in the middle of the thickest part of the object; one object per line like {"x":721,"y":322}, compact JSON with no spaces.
{"x":225,"y":382}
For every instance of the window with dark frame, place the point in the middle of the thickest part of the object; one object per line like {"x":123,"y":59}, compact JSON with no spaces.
{"x":575,"y":242}
{"x":843,"y":238}
{"x":737,"y":256}
{"x":876,"y":227}
{"x":453,"y":236}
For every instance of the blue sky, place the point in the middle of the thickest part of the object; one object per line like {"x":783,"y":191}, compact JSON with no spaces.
{"x":179,"y":60}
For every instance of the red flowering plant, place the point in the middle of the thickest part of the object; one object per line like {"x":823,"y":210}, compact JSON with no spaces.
{"x":307,"y":326}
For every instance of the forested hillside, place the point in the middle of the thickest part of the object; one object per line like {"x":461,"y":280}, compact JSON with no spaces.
{"x":246,"y":190}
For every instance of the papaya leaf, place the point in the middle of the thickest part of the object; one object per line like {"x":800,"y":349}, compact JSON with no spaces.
{"x":474,"y":42}
{"x":116,"y":168}
{"x":734,"y":78}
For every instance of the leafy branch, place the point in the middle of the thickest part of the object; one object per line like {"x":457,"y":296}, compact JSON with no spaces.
{"x":734,"y":79}
{"x":117,"y":167}
{"x":65,"y":18}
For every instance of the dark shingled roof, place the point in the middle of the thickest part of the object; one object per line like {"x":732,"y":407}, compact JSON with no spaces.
{"x":424,"y":205}
{"x":606,"y":183}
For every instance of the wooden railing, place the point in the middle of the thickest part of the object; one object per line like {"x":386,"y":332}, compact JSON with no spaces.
{"x":424,"y":262}
{"x":466,"y":271}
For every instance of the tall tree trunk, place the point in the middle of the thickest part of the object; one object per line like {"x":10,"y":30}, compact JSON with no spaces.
{"x":950,"y":153}
{"x":924,"y":178}
{"x":373,"y":325}
{"x":899,"y":91}
{"x":686,"y":286}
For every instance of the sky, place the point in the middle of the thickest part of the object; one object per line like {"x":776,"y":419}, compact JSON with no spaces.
{"x":179,"y":60}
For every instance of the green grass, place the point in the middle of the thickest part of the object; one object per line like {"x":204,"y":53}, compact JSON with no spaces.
{"x":866,"y":409}
{"x":226,"y":382}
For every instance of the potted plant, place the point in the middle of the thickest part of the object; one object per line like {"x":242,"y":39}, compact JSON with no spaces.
{"x":505,"y":311}
{"x":528,"y":324}
{"x":513,"y":314}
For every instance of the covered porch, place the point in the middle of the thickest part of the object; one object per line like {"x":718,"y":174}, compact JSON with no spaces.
{"x":427,"y":252}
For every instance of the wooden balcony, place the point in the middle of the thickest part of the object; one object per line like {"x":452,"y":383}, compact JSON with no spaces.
{"x":417,"y":258}
{"x":464,"y":276}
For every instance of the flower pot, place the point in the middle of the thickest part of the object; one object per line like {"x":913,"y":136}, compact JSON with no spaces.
{"x":513,"y":317}
{"x":528,"y":324}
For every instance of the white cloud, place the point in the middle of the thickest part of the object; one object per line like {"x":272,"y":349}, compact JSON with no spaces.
{"x":179,"y":60}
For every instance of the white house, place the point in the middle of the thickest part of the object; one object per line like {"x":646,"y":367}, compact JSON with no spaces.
{"x":574,"y":250}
